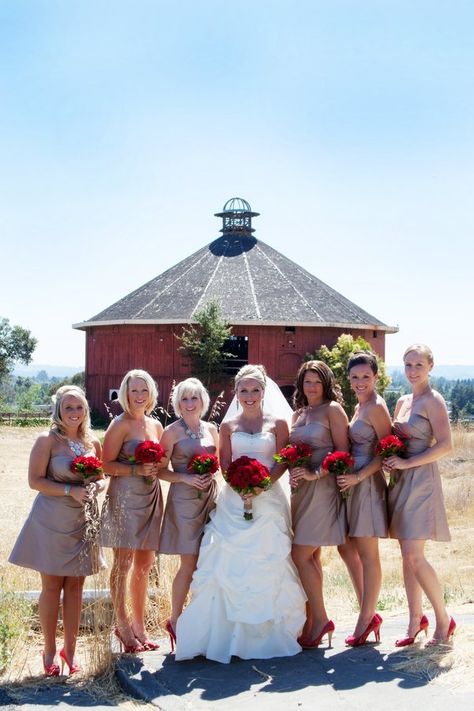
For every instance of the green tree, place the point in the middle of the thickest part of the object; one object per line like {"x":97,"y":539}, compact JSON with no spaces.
{"x":16,"y":345}
{"x":337,"y":359}
{"x":203,"y":344}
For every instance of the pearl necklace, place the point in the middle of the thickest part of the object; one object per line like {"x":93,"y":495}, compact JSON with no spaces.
{"x":188,"y":431}
{"x":77,"y":448}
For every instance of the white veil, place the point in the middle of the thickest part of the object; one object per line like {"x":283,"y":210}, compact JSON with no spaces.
{"x":274,"y":403}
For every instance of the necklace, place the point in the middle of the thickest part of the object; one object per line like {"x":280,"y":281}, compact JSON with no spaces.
{"x":77,"y":448}
{"x":188,"y":431}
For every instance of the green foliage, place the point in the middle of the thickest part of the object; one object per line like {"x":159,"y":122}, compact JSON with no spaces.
{"x":16,"y":345}
{"x":15,"y":614}
{"x":337,"y":359}
{"x":203,"y":344}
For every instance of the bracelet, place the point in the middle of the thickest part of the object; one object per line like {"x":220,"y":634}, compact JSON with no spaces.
{"x":357,"y":476}
{"x":134,"y":470}
{"x":318,"y":474}
{"x":67,"y":489}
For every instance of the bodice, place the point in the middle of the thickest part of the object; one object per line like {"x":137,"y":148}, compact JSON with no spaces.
{"x":421,"y":434}
{"x":128,"y":450}
{"x":363,"y":439}
{"x":186,"y":448}
{"x":59,"y":469}
{"x":318,"y":435}
{"x":261,"y":446}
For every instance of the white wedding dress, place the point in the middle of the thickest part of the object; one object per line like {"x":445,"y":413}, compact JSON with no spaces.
{"x":247,"y":599}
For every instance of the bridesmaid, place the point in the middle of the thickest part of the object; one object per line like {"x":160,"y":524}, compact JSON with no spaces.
{"x":133,"y":509}
{"x":191,"y":497}
{"x":317,"y":508}
{"x":415,"y":504}
{"x":366,"y":505}
{"x":52,"y":540}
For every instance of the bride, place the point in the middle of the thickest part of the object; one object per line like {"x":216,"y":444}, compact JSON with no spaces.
{"x":247,"y":600}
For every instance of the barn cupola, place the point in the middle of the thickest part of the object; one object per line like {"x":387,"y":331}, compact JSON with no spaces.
{"x":237,"y":217}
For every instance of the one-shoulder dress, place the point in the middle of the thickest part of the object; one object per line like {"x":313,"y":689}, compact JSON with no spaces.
{"x":186,"y":512}
{"x":133,"y":509}
{"x":415,"y":503}
{"x":247,"y":599}
{"x":366,"y":505}
{"x":317,"y":507}
{"x":52,"y":538}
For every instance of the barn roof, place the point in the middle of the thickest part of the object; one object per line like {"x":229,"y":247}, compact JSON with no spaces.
{"x":253,"y":283}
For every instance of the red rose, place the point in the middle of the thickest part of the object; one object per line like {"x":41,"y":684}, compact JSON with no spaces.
{"x":148,"y":452}
{"x":389,"y":446}
{"x":87,"y":466}
{"x":244,"y":475}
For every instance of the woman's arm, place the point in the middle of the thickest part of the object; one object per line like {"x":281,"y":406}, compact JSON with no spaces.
{"x":38,"y":467}
{"x":225,"y":447}
{"x":339,"y":426}
{"x":281,"y":436}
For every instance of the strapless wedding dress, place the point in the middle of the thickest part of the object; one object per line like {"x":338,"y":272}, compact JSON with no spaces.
{"x":247,"y":599}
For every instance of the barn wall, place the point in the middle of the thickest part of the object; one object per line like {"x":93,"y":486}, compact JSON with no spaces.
{"x":111,"y":351}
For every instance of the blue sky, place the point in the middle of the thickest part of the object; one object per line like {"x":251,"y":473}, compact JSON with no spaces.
{"x":347,"y":124}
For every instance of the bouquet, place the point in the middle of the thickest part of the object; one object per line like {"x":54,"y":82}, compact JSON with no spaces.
{"x":147,"y":452}
{"x":87,"y":466}
{"x":338,"y":463}
{"x":203,"y":464}
{"x":297,"y":454}
{"x":245,"y":475}
{"x":388,"y":447}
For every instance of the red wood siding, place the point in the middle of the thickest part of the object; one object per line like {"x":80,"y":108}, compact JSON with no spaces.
{"x":111,"y":351}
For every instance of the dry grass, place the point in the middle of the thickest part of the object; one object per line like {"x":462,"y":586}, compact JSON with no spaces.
{"x":453,"y":561}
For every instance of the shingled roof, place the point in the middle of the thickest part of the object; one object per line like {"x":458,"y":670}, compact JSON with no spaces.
{"x":252,"y":282}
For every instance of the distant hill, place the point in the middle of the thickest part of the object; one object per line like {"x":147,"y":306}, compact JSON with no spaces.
{"x":450,"y":372}
{"x":53,"y":371}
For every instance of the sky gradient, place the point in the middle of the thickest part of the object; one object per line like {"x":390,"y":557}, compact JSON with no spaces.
{"x":348,"y":125}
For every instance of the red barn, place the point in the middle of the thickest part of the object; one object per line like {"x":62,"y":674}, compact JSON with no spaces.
{"x":278,"y":312}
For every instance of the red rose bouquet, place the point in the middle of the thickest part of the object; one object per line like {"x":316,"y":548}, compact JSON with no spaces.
{"x":245,"y":475}
{"x":87,"y":466}
{"x":388,"y":447}
{"x":338,"y":463}
{"x":203,"y":464}
{"x":147,"y":452}
{"x":297,"y":454}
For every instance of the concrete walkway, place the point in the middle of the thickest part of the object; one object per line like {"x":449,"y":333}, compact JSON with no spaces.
{"x":337,"y":678}
{"x":322,"y":680}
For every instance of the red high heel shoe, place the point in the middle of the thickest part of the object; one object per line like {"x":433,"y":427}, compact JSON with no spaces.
{"x":328,"y":630}
{"x":373,"y":626}
{"x":73,"y":668}
{"x":50,"y":669}
{"x":407,"y":641}
{"x":452,"y":626}
{"x":149,"y":645}
{"x":172,"y":634}
{"x":128,"y":648}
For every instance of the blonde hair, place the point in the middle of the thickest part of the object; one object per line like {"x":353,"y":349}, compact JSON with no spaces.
{"x":152,"y":391}
{"x":57,"y":425}
{"x":190,"y":386}
{"x":422,"y":350}
{"x":256,"y":372}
